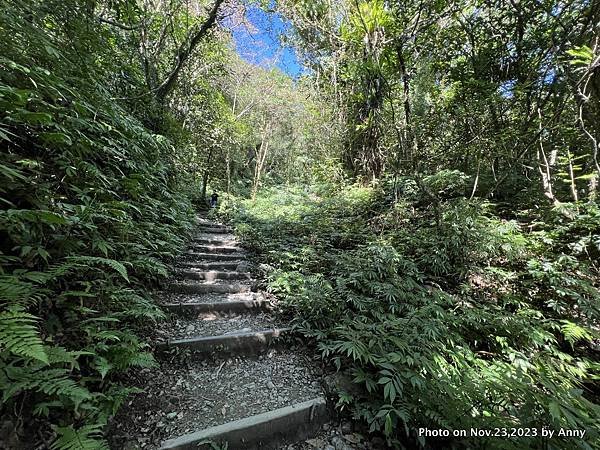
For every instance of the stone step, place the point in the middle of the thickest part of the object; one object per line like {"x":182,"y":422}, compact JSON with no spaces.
{"x":202,"y":248}
{"x":269,"y":430}
{"x":183,"y":394}
{"x":211,"y":275}
{"x":216,"y":265}
{"x":215,"y":323}
{"x":232,"y":306}
{"x":214,"y":240}
{"x":247,"y":342}
{"x":209,"y":288}
{"x":214,"y":229}
{"x":215,"y":256}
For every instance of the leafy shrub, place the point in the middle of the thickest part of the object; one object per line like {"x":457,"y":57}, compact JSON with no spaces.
{"x":90,"y":213}
{"x":447,"y":183}
{"x":469,"y":322}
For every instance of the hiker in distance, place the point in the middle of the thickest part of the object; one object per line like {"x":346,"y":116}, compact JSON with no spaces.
{"x":213,"y":200}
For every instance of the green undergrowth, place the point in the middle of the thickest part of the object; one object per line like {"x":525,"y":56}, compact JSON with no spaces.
{"x":90,"y":211}
{"x":467,"y":320}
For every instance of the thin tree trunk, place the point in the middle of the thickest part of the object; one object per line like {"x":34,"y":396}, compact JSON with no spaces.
{"x":206,"y":175}
{"x":544,"y":165}
{"x":260,"y":159}
{"x":572,"y":177}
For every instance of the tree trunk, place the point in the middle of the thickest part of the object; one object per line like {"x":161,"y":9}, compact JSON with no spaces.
{"x":260,"y":159}
{"x":161,"y":91}
{"x":205,"y":176}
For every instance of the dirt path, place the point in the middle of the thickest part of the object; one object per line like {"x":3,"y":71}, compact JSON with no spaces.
{"x":229,"y":371}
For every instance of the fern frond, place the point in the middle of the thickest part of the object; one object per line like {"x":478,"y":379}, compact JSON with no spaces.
{"x":20,"y":336}
{"x":88,"y":437}
{"x":52,"y":382}
{"x":13,"y":290}
{"x":142,"y":359}
{"x":113,"y":264}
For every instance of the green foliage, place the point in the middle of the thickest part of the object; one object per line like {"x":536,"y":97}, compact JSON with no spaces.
{"x":91,"y":211}
{"x":19,"y":335}
{"x":466,"y":322}
{"x":85,"y":438}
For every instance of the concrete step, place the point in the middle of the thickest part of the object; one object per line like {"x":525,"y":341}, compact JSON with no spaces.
{"x":214,"y":229}
{"x":226,"y":306}
{"x":211,"y":239}
{"x":247,"y":342}
{"x":216,"y":265}
{"x":208,"y":288}
{"x":249,"y":300}
{"x":202,"y":248}
{"x":183,"y":394}
{"x":269,"y":430}
{"x":211,"y":275}
{"x":213,"y":323}
{"x":215,"y":256}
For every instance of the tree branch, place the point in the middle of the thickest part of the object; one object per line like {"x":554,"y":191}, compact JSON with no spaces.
{"x":185,"y":50}
{"x":120,"y":25}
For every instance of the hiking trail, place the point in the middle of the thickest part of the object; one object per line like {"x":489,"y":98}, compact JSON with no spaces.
{"x":228,"y":370}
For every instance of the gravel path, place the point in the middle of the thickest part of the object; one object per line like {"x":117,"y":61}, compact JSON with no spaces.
{"x":187,"y":395}
{"x":340,"y":435}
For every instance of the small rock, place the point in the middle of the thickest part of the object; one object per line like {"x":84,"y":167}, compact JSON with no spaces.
{"x":316,"y":443}
{"x":346,"y":427}
{"x":189,"y":328}
{"x":171,"y":415}
{"x":270,"y":385}
{"x":243,"y":267}
{"x":339,"y":444}
{"x":378,"y":442}
{"x":353,"y":438}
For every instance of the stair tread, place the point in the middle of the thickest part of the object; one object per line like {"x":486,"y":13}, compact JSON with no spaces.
{"x":207,"y":324}
{"x":214,"y":248}
{"x":173,"y":298}
{"x":188,"y":395}
{"x":211,"y":275}
{"x":219,"y":286}
{"x":209,"y":264}
{"x":203,"y":256}
{"x":271,"y":397}
{"x":295,"y":421}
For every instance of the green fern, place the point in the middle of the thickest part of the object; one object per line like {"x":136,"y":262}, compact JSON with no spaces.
{"x":15,"y":291}
{"x":52,"y":382}
{"x":87,"y":260}
{"x":574,"y":333}
{"x":88,"y":437}
{"x":20,"y":335}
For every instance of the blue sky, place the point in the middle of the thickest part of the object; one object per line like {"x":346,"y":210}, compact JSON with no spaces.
{"x":259,"y":43}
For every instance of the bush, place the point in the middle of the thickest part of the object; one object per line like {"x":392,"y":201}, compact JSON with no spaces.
{"x":467,"y":323}
{"x":91,"y":212}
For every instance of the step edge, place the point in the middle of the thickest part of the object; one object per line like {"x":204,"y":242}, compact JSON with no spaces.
{"x":316,"y":409}
{"x":218,"y":306}
{"x":273,"y":332}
